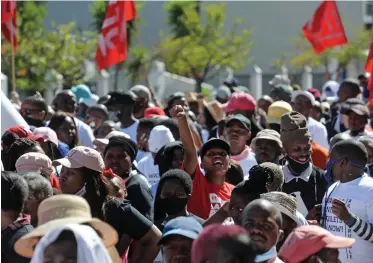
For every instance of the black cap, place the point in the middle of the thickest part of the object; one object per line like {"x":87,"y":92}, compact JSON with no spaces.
{"x":242,"y":119}
{"x":214,"y":143}
{"x":121,"y":98}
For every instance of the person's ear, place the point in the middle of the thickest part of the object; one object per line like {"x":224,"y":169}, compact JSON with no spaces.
{"x":229,"y":164}
{"x":281,"y":235}
{"x":249,"y":135}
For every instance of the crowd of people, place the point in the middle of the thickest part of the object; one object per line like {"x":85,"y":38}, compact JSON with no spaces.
{"x":128,"y":178}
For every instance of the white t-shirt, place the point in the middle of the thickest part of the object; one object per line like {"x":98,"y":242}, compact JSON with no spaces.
{"x":246,"y":160}
{"x":147,"y":167}
{"x":318,"y":132}
{"x":85,"y":133}
{"x":130,"y":130}
{"x":358,"y":196}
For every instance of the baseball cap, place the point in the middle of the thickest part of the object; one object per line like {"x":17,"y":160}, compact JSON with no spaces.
{"x":159,"y":136}
{"x":240,"y":101}
{"x":359,"y":109}
{"x":276,"y":110}
{"x":305,"y":241}
{"x":105,"y":140}
{"x":223,"y":92}
{"x":82,"y":156}
{"x":330,"y":90}
{"x":121,"y":98}
{"x":242,"y":119}
{"x":315,"y":92}
{"x":32,"y":162}
{"x":154,"y":111}
{"x":81,"y":91}
{"x":214,"y":143}
{"x":182,"y":226}
{"x":47,"y":134}
{"x":141,"y":92}
{"x":88,"y":101}
{"x":279,"y":79}
{"x":267,"y":134}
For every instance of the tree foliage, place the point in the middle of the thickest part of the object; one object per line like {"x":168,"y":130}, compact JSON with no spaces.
{"x":62,"y":50}
{"x":206,"y":45}
{"x":344,"y":54}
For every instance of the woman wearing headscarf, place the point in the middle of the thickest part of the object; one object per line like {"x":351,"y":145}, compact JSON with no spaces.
{"x":71,"y":243}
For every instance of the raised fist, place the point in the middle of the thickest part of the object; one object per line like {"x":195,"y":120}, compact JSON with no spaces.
{"x":177,"y":112}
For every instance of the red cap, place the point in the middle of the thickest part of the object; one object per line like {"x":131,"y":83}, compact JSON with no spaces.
{"x":154,"y":111}
{"x":306,"y":241}
{"x":315,"y":92}
{"x":240,"y":101}
{"x":20,"y":131}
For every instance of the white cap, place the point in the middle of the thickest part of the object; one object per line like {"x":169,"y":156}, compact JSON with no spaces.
{"x":159,"y":137}
{"x":304,"y":93}
{"x":88,"y":101}
{"x":330,"y":90}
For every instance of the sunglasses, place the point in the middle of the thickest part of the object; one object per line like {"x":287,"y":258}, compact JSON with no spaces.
{"x":28,"y":112}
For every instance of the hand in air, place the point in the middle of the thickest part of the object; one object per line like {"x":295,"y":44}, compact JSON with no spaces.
{"x":177,"y":112}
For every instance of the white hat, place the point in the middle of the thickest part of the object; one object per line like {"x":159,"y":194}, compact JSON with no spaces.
{"x":279,"y":79}
{"x":105,"y":140}
{"x":304,"y":93}
{"x":330,"y":90}
{"x":159,"y":137}
{"x":33,"y":162}
{"x":88,"y":101}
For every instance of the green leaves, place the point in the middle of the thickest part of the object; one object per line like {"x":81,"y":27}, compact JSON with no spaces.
{"x":198,"y":42}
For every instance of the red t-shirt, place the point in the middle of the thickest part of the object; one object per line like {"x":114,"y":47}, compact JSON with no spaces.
{"x":207,"y":197}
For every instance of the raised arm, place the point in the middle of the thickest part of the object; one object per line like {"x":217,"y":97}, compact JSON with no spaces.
{"x":190,"y":156}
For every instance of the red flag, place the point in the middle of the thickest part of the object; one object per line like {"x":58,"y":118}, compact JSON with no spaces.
{"x":369,"y":69}
{"x":325,"y":29}
{"x":112,"y":43}
{"x":9,"y":21}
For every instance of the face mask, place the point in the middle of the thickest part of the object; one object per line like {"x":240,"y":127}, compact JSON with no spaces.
{"x":33,"y":122}
{"x":272,"y":253}
{"x":296,"y":166}
{"x":173,"y":205}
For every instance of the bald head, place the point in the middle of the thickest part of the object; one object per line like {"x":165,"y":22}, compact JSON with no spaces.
{"x":339,"y":137}
{"x":352,"y":150}
{"x":265,"y":207}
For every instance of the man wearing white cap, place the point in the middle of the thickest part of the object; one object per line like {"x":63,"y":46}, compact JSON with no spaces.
{"x":159,"y":137}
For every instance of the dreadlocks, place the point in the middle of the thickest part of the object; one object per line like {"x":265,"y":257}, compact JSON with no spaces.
{"x":18,"y":147}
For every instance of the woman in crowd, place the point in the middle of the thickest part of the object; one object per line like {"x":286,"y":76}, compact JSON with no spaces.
{"x":64,"y":126}
{"x":82,"y":174}
{"x":48,"y":142}
{"x":73,"y":244}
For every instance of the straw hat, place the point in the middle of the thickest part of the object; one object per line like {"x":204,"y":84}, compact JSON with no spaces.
{"x":61,"y":210}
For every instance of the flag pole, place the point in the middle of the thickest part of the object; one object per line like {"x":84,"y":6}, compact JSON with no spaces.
{"x":13,"y":66}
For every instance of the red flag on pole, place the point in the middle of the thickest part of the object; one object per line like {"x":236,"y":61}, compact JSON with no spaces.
{"x":369,"y":69}
{"x":9,"y":21}
{"x":325,"y":29}
{"x":112,"y":43}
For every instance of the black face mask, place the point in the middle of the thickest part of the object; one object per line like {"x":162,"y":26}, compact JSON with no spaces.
{"x":297,"y":167}
{"x":33,"y":122}
{"x":173,"y":205}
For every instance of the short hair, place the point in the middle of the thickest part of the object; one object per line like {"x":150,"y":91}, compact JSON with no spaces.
{"x":247,"y":191}
{"x":339,"y":137}
{"x":18,"y":147}
{"x":235,"y":173}
{"x":38,"y":101}
{"x":148,"y":123}
{"x":101,"y":108}
{"x":14,"y":192}
{"x":265,"y":205}
{"x":367,"y":141}
{"x":267,"y":173}
{"x":39,"y":187}
{"x":353,"y":84}
{"x":353,"y":150}
{"x":185,"y":180}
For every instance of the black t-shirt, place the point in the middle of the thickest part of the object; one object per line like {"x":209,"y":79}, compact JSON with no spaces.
{"x":161,"y":223}
{"x":307,"y":189}
{"x":125,"y":219}
{"x":139,"y":194}
{"x":8,"y":239}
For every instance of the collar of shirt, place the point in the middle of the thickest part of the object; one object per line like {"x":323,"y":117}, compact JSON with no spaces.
{"x":22,"y":220}
{"x":243,"y":155}
{"x":305,"y":176}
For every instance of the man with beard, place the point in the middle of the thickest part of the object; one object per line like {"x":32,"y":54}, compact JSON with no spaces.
{"x":177,"y":239}
{"x":122,"y":104}
{"x":66,"y":101}
{"x":302,"y":178}
{"x":263,"y":222}
{"x":237,"y":133}
{"x":143,"y":99}
{"x":267,"y":146}
{"x":34,"y":110}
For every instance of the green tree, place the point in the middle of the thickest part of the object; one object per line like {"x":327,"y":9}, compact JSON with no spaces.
{"x":206,"y":45}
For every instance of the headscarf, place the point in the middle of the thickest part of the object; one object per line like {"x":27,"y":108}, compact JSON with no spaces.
{"x":127,"y":144}
{"x":89,"y":245}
